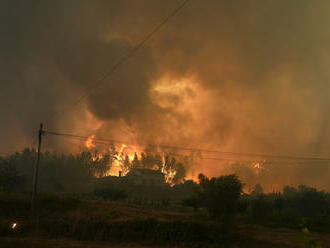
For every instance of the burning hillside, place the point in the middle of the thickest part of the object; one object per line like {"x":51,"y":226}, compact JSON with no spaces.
{"x":118,"y":160}
{"x":220,"y":75}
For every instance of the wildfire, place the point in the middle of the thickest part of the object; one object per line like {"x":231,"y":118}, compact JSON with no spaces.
{"x":97,"y":156}
{"x":117,"y":168}
{"x":89,"y":143}
{"x":169,"y":175}
{"x":122,"y":159}
{"x":259,"y":166}
{"x":125,"y":157}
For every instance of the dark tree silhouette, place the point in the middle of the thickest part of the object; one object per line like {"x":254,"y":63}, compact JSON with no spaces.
{"x":220,"y":195}
{"x":9,"y":177}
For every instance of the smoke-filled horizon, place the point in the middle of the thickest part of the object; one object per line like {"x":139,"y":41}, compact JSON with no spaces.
{"x":243,"y":76}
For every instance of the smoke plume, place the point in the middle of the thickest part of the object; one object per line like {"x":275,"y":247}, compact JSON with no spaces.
{"x":244,"y":76}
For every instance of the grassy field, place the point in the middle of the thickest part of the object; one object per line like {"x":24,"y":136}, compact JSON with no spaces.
{"x":69,"y":222}
{"x":65,"y":243}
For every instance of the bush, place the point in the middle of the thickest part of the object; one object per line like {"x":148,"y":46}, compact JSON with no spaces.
{"x":311,"y":202}
{"x":9,"y":178}
{"x":220,"y":195}
{"x":110,"y":194}
{"x":191,"y":202}
{"x":55,"y":202}
{"x":149,"y":231}
{"x":261,"y":207}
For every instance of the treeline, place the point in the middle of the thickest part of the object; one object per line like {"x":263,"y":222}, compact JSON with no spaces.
{"x":295,"y":207}
{"x":223,"y":197}
{"x":57,"y":173}
{"x":76,"y":172}
{"x":273,"y":175}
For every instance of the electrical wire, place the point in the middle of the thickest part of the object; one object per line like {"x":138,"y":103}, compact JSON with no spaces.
{"x":239,"y":154}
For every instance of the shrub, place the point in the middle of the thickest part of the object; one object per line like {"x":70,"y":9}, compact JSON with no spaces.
{"x":110,"y":194}
{"x":220,"y":195}
{"x":9,"y":178}
{"x":261,"y":207}
{"x":192,"y":201}
{"x":311,"y":202}
{"x":149,"y":231}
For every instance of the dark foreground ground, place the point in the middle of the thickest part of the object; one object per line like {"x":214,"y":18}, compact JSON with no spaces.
{"x":69,"y":223}
{"x":255,"y":237}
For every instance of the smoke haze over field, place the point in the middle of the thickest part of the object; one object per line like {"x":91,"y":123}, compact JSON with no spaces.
{"x":244,"y":75}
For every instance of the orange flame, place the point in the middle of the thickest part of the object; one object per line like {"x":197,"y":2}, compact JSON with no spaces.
{"x":118,"y":166}
{"x":122,"y":159}
{"x":259,"y":166}
{"x":89,"y":143}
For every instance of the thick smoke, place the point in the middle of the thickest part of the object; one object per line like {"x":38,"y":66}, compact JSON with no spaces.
{"x":245,"y":76}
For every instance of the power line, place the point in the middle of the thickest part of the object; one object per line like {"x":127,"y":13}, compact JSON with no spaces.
{"x":127,"y":56}
{"x":240,"y":154}
{"x":96,"y":141}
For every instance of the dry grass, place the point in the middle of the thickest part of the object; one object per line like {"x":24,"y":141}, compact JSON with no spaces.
{"x":59,"y":243}
{"x":283,"y":236}
{"x":66,"y":243}
{"x":110,"y":212}
{"x":124,"y":212}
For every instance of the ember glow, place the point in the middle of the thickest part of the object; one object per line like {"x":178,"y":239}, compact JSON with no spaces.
{"x":259,"y":165}
{"x":122,"y":159}
{"x":89,"y":142}
{"x":125,"y":157}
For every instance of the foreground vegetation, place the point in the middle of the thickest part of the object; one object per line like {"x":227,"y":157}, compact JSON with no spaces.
{"x":100,"y":222}
{"x":73,"y":205}
{"x":105,"y":221}
{"x":297,"y":208}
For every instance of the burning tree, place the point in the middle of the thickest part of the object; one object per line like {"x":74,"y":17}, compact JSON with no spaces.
{"x":119,"y":160}
{"x":98,"y":164}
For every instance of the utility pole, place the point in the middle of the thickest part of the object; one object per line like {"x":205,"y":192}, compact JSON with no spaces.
{"x":36,"y":169}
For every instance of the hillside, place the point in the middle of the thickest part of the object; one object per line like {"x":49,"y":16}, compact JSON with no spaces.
{"x":68,"y":222}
